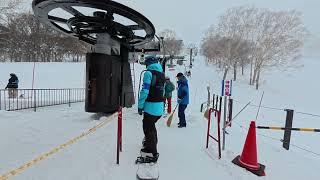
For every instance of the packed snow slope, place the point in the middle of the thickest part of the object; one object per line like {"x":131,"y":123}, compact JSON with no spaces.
{"x":24,"y":135}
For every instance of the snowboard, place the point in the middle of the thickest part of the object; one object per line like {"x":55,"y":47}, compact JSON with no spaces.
{"x":147,"y":171}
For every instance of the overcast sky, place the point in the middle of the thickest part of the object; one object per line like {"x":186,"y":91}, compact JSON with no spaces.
{"x":190,"y":18}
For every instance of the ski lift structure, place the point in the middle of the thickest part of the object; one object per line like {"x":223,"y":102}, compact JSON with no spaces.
{"x":181,"y":60}
{"x":114,"y":31}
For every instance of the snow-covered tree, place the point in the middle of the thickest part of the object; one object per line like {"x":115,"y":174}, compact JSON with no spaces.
{"x":261,"y":37}
{"x":172,"y":45}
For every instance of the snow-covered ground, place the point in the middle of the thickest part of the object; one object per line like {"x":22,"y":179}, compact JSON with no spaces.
{"x":24,"y":135}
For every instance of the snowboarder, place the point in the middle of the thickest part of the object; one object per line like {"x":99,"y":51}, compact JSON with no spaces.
{"x":183,"y":99}
{"x":168,"y":88}
{"x":12,"y":86}
{"x":151,"y":106}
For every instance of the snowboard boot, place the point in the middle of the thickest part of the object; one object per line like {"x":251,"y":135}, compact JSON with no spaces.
{"x":143,"y":143}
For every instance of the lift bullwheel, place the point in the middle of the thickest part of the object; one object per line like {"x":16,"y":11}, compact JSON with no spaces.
{"x":72,"y":18}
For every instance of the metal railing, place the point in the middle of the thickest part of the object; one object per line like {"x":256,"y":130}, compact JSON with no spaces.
{"x":35,"y":98}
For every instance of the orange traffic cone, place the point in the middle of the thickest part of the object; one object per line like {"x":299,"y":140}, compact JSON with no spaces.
{"x":249,"y":157}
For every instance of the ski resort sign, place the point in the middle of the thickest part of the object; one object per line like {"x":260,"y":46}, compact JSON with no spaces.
{"x":226,"y":88}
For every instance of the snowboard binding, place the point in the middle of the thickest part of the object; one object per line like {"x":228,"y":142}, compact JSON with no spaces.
{"x":147,"y":159}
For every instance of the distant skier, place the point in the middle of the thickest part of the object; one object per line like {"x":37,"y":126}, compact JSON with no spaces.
{"x":183,"y":99}
{"x":12,"y":86}
{"x":151,"y":103}
{"x":188,"y":73}
{"x":168,"y":88}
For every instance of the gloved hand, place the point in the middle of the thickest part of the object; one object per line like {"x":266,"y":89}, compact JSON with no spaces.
{"x":179,"y":101}
{"x":140,"y":111}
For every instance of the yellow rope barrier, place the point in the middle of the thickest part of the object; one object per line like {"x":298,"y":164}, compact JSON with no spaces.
{"x":54,"y":150}
{"x":292,"y":129}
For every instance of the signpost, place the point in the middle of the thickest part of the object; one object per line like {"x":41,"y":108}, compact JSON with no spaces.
{"x":226,"y":91}
{"x":226,"y":88}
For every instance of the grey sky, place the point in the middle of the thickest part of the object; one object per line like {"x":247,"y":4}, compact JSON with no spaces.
{"x":190,"y":18}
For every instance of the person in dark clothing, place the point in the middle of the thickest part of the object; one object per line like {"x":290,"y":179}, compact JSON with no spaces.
{"x":168,"y":88}
{"x":189,"y":73}
{"x":151,"y":105}
{"x":183,"y":99}
{"x":12,"y":86}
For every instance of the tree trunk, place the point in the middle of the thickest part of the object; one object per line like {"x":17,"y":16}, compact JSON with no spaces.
{"x":225,"y":73}
{"x":242,"y":70}
{"x":254,"y":75}
{"x":235,"y":71}
{"x":251,"y":69}
{"x":257,"y":79}
{"x":11,"y":56}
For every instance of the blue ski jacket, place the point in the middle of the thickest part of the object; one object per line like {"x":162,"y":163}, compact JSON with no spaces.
{"x":152,"y":108}
{"x":183,"y":91}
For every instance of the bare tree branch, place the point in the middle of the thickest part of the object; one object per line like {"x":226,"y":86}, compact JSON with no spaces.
{"x":261,"y":37}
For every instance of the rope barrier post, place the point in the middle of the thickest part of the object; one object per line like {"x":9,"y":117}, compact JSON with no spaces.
{"x":224,"y":123}
{"x":119,"y":136}
{"x":208,"y":130}
{"x":217,"y":139}
{"x":69,"y":97}
{"x":226,"y":92}
{"x":213,"y":98}
{"x":35,"y":100}
{"x":222,"y":87}
{"x":288,"y":126}
{"x":208,"y":101}
{"x":121,"y":118}
{"x":217,"y":102}
{"x":214,"y":105}
{"x":230,"y":107}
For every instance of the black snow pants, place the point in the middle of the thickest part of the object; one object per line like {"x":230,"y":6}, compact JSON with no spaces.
{"x":150,"y":132}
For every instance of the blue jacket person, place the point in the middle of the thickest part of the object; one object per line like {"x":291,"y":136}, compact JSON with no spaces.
{"x":183,"y":99}
{"x":151,"y":105}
